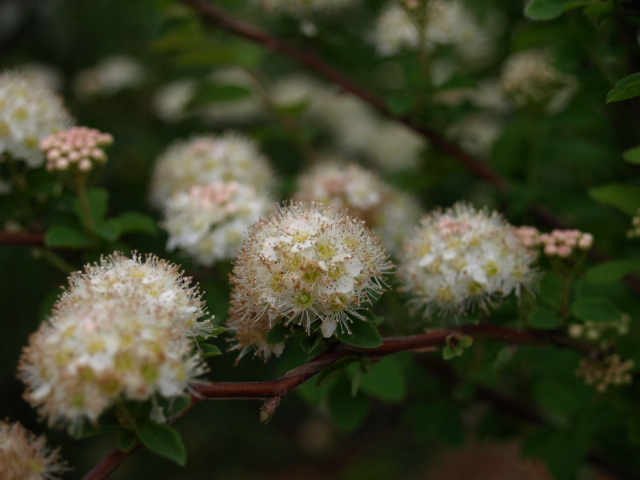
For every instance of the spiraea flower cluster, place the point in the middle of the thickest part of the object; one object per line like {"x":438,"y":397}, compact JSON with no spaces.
{"x":29,"y":112}
{"x":79,"y":148}
{"x":124,"y":330}
{"x":364,"y":195}
{"x":461,"y":258}
{"x":111,"y":75}
{"x":25,"y":456}
{"x":529,"y":77}
{"x":306,"y":264}
{"x":607,"y":371}
{"x":208,"y":222}
{"x":558,"y":243}
{"x":206,"y":159}
{"x":446,"y":22}
{"x":304,"y":7}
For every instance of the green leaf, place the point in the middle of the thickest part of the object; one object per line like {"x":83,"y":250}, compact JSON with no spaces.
{"x":611,"y":271}
{"x":595,"y":309}
{"x":362,"y":334}
{"x":449,"y":353}
{"x":551,"y":289}
{"x":61,"y":236}
{"x":98,"y":205}
{"x":544,"y":319}
{"x":212,"y":92}
{"x":126,"y":439}
{"x":135,"y":222}
{"x":163,"y":440}
{"x":548,"y":9}
{"x":623,"y":197}
{"x":400,"y":104}
{"x":347,"y":412}
{"x":278,"y":334}
{"x":176,"y":405}
{"x":600,"y":9}
{"x":208,"y":350}
{"x":310,"y":343}
{"x":628,"y":87}
{"x":632,"y":155}
{"x":217,"y":330}
{"x":385,"y":380}
{"x":313,"y":392}
{"x":109,"y":230}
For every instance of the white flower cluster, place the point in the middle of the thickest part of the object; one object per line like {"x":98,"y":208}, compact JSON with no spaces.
{"x":206,"y":159}
{"x":29,"y":112}
{"x":124,"y":330}
{"x":170,"y":100}
{"x":211,"y":189}
{"x":25,"y":456}
{"x":448,"y":22}
{"x":461,"y":258}
{"x":305,"y":263}
{"x":209,"y":222}
{"x":303,"y":7}
{"x":111,"y":75}
{"x":361,"y":192}
{"x":477,"y":133}
{"x":597,"y":331}
{"x":528,"y":77}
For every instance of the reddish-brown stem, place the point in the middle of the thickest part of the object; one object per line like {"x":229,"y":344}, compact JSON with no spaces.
{"x":22,"y":238}
{"x":296,"y":377}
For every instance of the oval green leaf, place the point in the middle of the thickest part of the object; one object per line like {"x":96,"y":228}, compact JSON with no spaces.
{"x":595,"y":309}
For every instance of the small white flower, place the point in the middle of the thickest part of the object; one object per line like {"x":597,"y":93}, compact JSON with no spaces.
{"x":206,"y":159}
{"x":29,"y":112}
{"x":124,"y":329}
{"x":209,"y":222}
{"x":25,"y":456}
{"x":305,"y":263}
{"x":460,"y":258}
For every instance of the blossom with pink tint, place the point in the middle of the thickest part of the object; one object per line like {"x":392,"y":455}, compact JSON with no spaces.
{"x":80,"y":148}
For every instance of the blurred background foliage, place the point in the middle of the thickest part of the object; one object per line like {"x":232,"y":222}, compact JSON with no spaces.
{"x":412,"y":414}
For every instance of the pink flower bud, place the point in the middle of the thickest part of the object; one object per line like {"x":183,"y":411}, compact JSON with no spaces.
{"x":550,"y":249}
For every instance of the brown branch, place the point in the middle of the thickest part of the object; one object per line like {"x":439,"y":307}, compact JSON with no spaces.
{"x":22,"y":238}
{"x":275,"y":389}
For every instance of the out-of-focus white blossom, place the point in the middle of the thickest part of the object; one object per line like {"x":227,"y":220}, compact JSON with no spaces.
{"x":124,"y":329}
{"x":477,"y":133}
{"x":233,"y":110}
{"x":305,"y":264}
{"x":394,"y":146}
{"x":26,"y":456}
{"x":448,"y":22}
{"x":461,"y":258}
{"x":209,"y":222}
{"x":48,"y":75}
{"x":29,"y":112}
{"x":171,"y":99}
{"x":206,"y":159}
{"x":529,"y":77}
{"x":111,"y":75}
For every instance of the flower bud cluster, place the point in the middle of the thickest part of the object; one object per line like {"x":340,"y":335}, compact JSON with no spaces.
{"x":208,"y":222}
{"x":29,"y":112}
{"x":461,"y":258}
{"x":364,"y":195}
{"x":124,"y":330}
{"x":305,"y":264}
{"x":605,"y":372}
{"x":594,"y":331}
{"x":79,"y":148}
{"x":528,"y":77}
{"x":206,"y":159}
{"x":558,"y":243}
{"x":25,"y":456}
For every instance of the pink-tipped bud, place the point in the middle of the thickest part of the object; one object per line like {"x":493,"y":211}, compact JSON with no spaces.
{"x":564,"y":251}
{"x":550,"y":250}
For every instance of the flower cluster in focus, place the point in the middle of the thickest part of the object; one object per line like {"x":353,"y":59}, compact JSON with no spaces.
{"x":79,"y":148}
{"x":209,"y":222}
{"x":29,"y":112}
{"x":461,"y":258}
{"x":124,"y":329}
{"x":305,"y":264}
{"x":25,"y":456}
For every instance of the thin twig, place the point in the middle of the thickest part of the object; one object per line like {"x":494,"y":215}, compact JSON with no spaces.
{"x":22,"y":238}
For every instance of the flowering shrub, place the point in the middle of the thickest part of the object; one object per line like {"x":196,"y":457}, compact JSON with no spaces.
{"x":419,"y":215}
